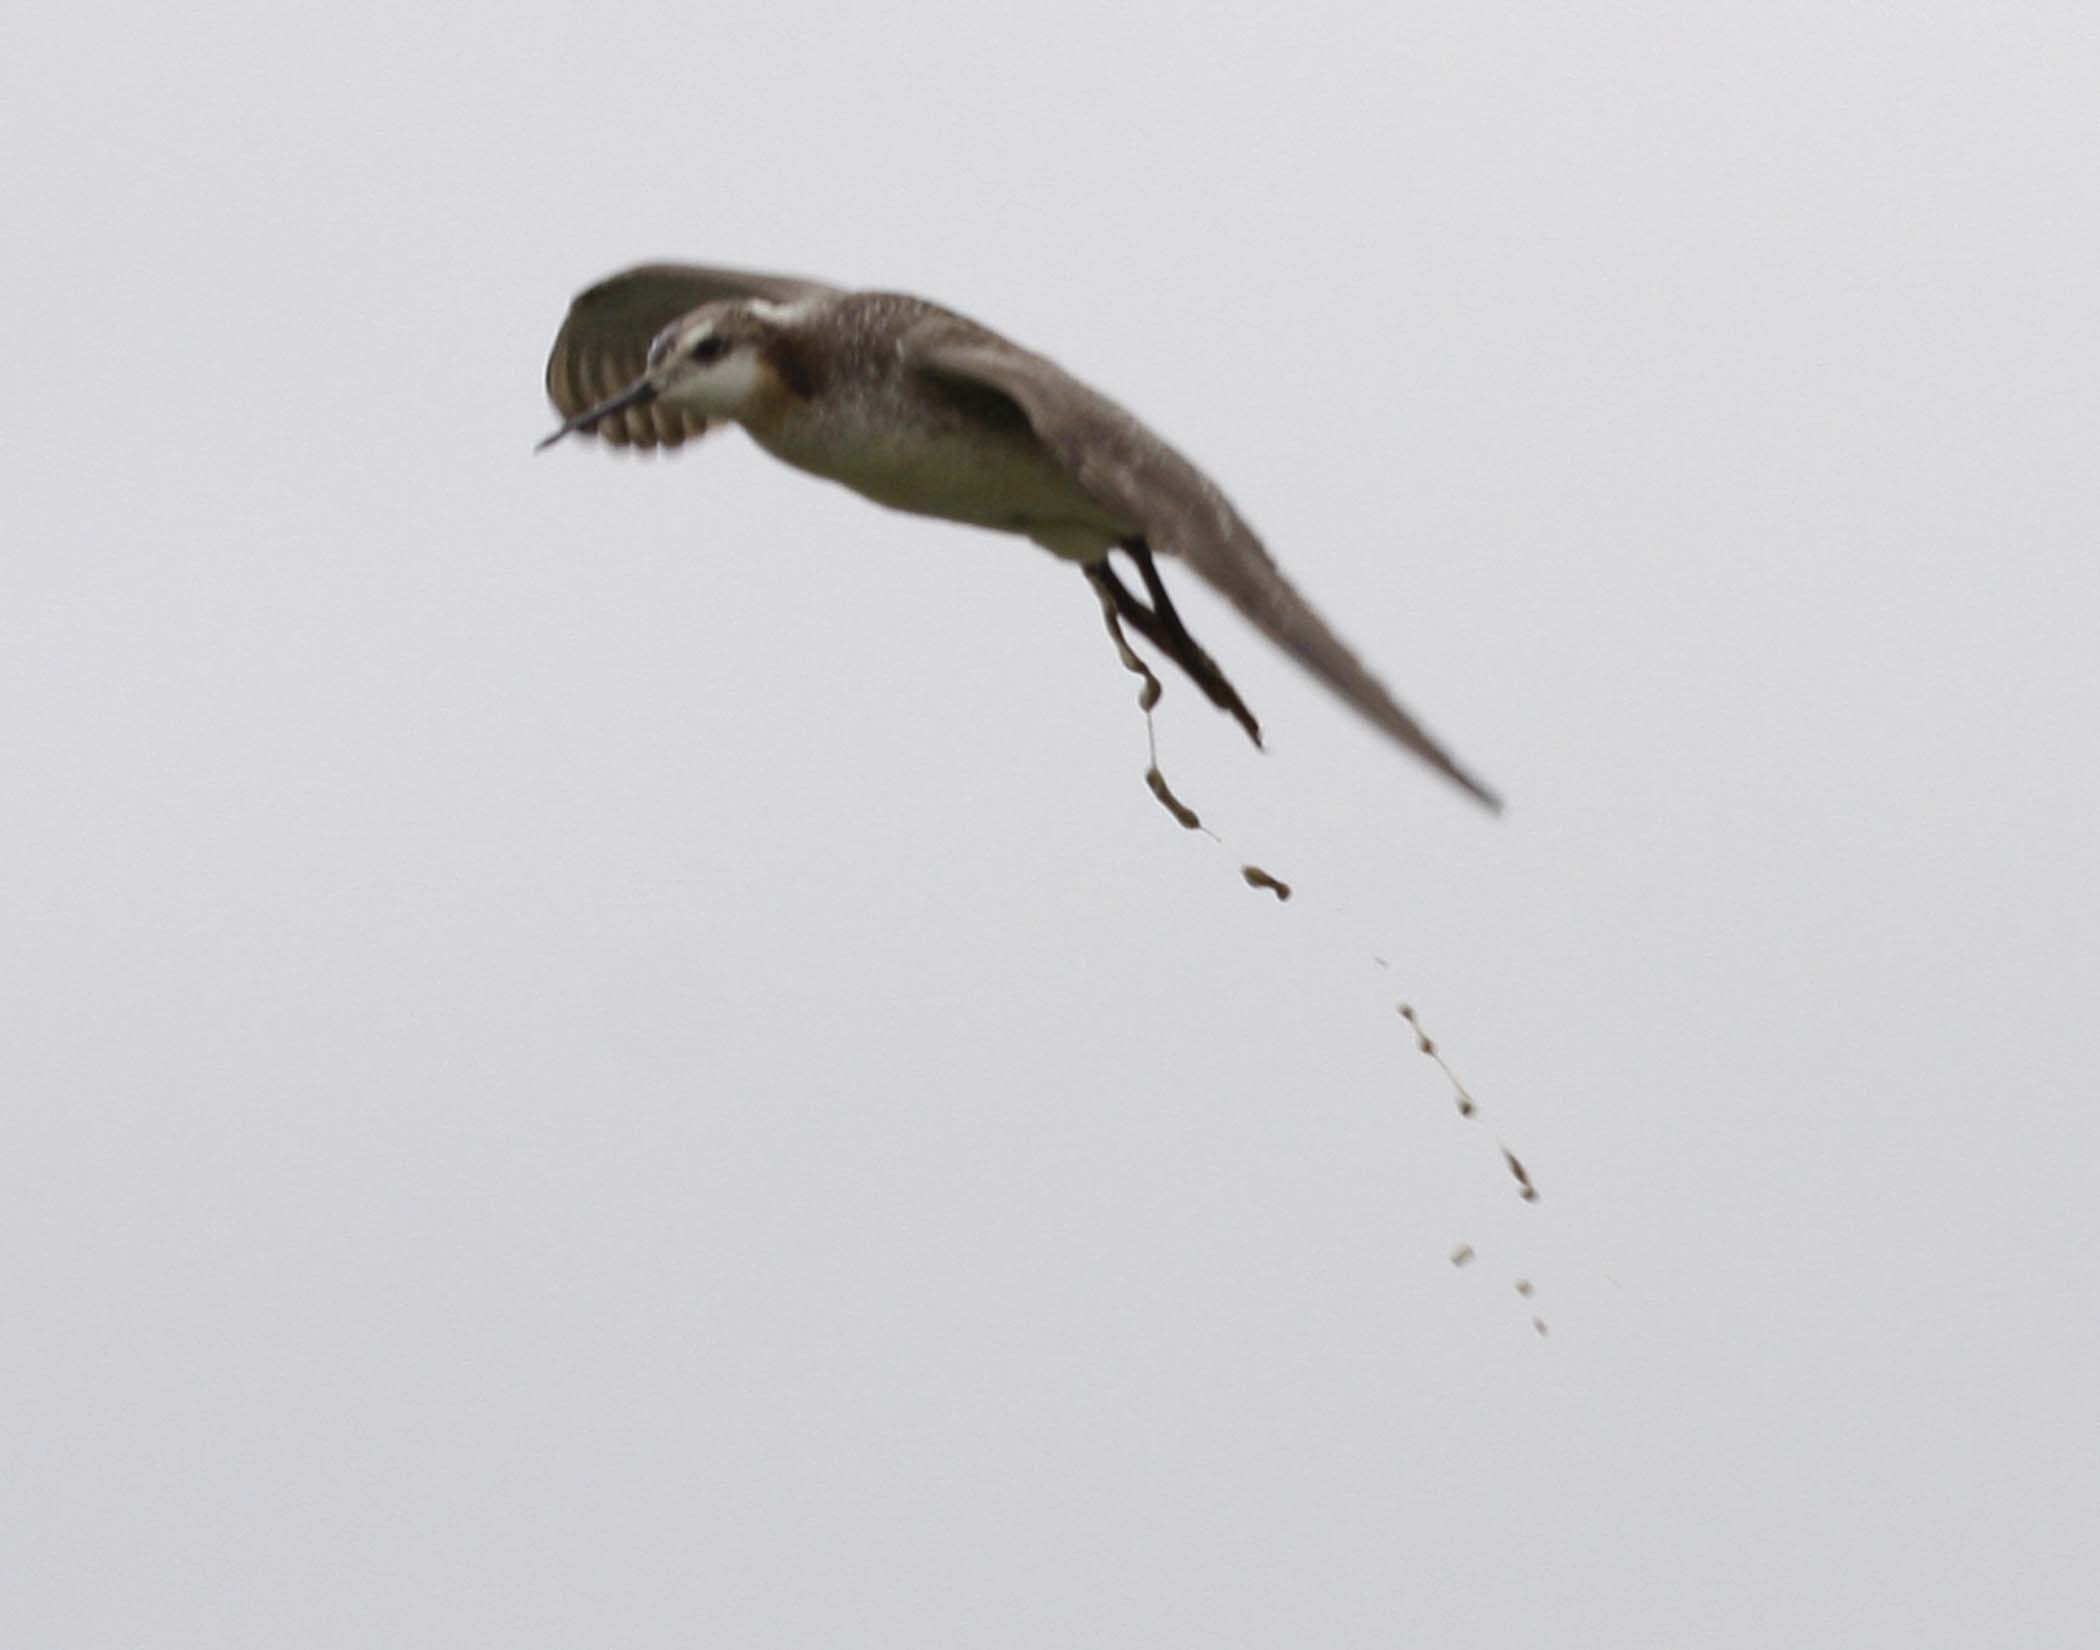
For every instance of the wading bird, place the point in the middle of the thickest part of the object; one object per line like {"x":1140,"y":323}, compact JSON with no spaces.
{"x":923,"y":410}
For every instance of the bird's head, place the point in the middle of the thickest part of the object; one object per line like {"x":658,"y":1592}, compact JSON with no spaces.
{"x":713,"y":362}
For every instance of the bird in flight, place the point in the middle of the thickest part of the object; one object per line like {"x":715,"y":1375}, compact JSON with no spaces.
{"x":924,"y":410}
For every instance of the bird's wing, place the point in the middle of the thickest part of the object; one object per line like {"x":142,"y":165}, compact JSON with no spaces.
{"x":603,"y":345}
{"x":1179,"y":510}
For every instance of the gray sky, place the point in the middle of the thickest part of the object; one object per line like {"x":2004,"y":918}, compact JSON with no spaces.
{"x":613,"y":1053}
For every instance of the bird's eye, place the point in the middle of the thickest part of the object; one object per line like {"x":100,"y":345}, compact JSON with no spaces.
{"x":711,"y":348}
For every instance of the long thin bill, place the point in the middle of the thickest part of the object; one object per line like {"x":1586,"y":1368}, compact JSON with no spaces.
{"x":638,"y":394}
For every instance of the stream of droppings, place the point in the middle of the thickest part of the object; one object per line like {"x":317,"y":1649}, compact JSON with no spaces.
{"x":1255,"y":877}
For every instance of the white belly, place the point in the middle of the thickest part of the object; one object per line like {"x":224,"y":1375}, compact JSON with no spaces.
{"x":1008,"y":485}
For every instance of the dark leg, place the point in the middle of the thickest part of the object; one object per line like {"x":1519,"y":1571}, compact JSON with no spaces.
{"x":1166,"y":632}
{"x":1116,"y":594}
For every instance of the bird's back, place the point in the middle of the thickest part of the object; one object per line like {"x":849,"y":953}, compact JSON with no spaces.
{"x":932,"y":445}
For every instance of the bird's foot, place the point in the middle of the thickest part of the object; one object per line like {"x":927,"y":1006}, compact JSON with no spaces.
{"x":1160,"y":624}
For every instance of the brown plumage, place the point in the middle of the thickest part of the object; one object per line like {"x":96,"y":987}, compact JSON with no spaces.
{"x":924,"y":410}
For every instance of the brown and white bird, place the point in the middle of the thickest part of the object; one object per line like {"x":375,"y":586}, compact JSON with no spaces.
{"x":923,"y":410}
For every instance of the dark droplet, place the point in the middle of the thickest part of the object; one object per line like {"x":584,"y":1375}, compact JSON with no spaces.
{"x":1256,"y":877}
{"x":1184,"y":815}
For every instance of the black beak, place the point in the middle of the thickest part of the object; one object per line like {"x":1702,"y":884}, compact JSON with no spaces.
{"x":639,"y":394}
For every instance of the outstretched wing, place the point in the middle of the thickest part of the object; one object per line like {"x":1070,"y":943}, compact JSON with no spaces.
{"x":1179,"y":509}
{"x":604,"y":344}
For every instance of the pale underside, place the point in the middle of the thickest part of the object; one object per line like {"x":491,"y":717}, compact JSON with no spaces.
{"x":1006,"y":481}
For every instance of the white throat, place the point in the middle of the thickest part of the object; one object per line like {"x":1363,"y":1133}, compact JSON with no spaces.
{"x":720,"y":389}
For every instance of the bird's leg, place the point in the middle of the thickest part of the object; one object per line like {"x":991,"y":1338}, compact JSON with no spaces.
{"x":1162,"y":626}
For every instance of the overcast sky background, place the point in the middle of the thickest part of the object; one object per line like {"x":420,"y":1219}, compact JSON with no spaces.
{"x":604,"y":1052}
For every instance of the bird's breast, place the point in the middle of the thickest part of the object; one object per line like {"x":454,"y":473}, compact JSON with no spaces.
{"x":997,"y":478}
